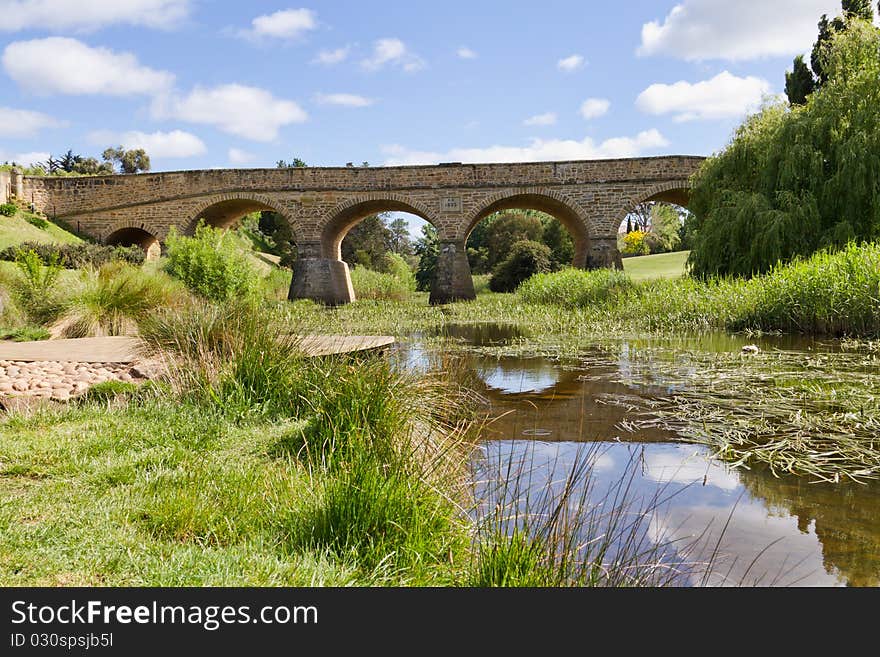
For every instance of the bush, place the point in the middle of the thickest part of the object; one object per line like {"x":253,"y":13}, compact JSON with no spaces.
{"x":526,"y":259}
{"x":635,"y":244}
{"x":575,"y":288}
{"x":77,"y":256}
{"x":210,"y":264}
{"x":8,"y":209}
{"x":34,"y":289}
{"x":34,"y":220}
{"x":25,"y":334}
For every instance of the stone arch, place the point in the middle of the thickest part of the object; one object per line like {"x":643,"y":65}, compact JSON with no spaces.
{"x":348,"y":214}
{"x":673,"y":191}
{"x":228,"y":208}
{"x":565,"y":210}
{"x":130,"y":233}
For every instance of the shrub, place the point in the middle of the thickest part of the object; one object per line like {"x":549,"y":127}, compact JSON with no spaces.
{"x":575,"y":288}
{"x":35,"y":288}
{"x":635,"y":244}
{"x":210,"y":264}
{"x":25,"y":334}
{"x":526,"y":259}
{"x":8,"y":209}
{"x":34,"y":220}
{"x":77,"y":256}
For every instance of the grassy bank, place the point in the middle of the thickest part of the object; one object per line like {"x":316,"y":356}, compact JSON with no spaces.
{"x":652,"y":267}
{"x":17,"y":229}
{"x":250,"y":465}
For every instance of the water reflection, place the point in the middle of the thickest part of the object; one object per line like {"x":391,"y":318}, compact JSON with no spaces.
{"x":546,"y":411}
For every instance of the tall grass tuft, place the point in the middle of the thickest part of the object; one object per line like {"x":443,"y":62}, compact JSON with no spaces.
{"x":113,"y":299}
{"x":575,"y":288}
{"x":562,"y":531}
{"x":234,"y":357}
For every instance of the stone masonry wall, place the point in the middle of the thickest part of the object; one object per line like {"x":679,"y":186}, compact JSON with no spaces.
{"x":594,"y":196}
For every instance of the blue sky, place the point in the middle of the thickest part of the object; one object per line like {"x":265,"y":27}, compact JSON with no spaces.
{"x":209,"y":83}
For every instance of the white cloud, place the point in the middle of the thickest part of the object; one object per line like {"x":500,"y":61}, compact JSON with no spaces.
{"x":60,"y":65}
{"x":24,"y":159}
{"x":697,"y":30}
{"x":393,"y":52}
{"x":19,"y":123}
{"x":593,"y":108}
{"x":572,"y":63}
{"x":343,"y":100}
{"x":538,"y":150}
{"x":239,"y":156}
{"x":541,"y":119}
{"x":85,"y":15}
{"x":332,"y":57}
{"x":724,"y":96}
{"x":237,"y":109}
{"x":466,"y":53}
{"x":284,"y":24}
{"x":174,"y":144}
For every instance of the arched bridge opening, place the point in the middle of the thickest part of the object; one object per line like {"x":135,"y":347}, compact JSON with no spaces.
{"x":134,"y":236}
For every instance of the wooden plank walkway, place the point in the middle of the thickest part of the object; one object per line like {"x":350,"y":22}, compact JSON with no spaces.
{"x":126,"y":349}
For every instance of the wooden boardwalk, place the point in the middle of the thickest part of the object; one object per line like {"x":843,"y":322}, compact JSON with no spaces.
{"x":127,"y":349}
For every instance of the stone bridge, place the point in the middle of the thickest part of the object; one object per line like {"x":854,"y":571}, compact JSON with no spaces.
{"x":590,"y":198}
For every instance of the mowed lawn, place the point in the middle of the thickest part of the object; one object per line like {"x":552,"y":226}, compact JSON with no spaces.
{"x":662,"y":265}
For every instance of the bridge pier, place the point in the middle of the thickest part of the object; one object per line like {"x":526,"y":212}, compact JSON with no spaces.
{"x":325,"y":280}
{"x":452,"y":278}
{"x":604,"y":254}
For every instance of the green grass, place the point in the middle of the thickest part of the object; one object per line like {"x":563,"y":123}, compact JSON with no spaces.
{"x":15,"y":230}
{"x":651,"y":267}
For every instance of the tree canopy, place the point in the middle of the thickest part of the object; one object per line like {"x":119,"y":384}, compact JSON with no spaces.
{"x":795,"y":180}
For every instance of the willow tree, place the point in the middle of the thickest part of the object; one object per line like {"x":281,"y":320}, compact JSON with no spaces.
{"x":795,"y":180}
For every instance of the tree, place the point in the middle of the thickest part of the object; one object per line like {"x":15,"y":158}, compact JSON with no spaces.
{"x":665,"y":232}
{"x":559,"y":241}
{"x":861,"y":9}
{"x":791,"y":183}
{"x":799,"y":82}
{"x":400,"y":241}
{"x":640,"y":217}
{"x":507,"y":229}
{"x":428,"y":250}
{"x":367,"y":243}
{"x":279,"y":233}
{"x":295,"y":163}
{"x":129,"y":161}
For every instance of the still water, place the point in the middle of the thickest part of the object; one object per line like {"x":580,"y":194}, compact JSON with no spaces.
{"x":763,"y":530}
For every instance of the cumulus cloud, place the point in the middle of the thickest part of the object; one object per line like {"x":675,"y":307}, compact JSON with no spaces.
{"x":593,"y":108}
{"x":174,"y":144}
{"x":392,"y":52}
{"x":343,"y":100}
{"x":284,"y":24}
{"x":87,"y":15}
{"x":548,"y":118}
{"x":60,"y":65}
{"x":697,"y":30}
{"x":572,"y":63}
{"x":538,"y":150}
{"x":724,"y":96}
{"x":24,"y":159}
{"x":239,"y":156}
{"x":466,"y":53}
{"x":237,"y":109}
{"x":332,"y":57}
{"x":20,"y":124}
